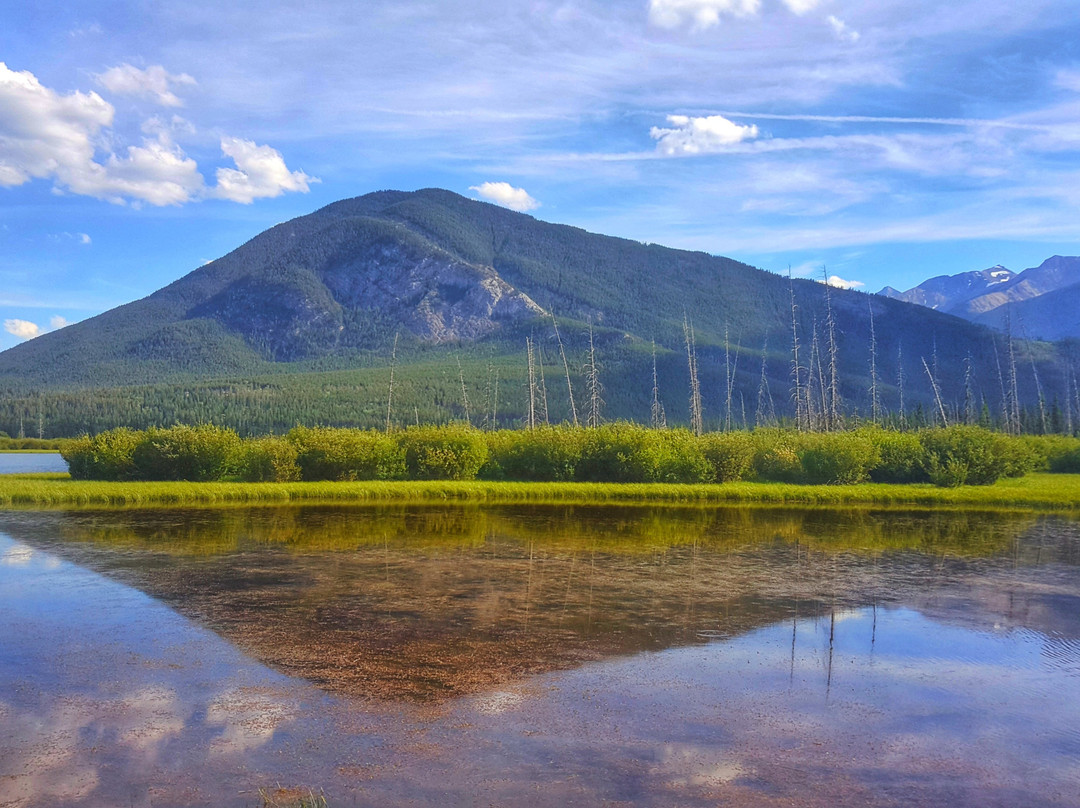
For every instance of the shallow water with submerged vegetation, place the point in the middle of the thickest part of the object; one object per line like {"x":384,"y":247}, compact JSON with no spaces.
{"x":538,"y":655}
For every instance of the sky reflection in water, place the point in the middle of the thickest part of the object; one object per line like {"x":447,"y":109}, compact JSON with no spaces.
{"x":539,"y":657}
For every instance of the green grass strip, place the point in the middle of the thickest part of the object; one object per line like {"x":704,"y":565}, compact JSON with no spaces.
{"x":1035,"y":492}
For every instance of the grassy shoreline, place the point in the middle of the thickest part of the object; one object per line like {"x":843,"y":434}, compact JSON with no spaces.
{"x":1035,"y":492}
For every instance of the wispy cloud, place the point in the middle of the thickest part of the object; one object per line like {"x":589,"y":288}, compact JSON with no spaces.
{"x":154,"y":83}
{"x":699,"y":13}
{"x":505,"y":194}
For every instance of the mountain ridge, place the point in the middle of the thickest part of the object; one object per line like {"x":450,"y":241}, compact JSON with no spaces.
{"x":457,"y":281}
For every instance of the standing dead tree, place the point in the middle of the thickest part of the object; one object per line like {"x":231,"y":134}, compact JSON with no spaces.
{"x":464,"y":394}
{"x":802,"y":418}
{"x":390,"y":395}
{"x":696,"y":421}
{"x":900,"y":383}
{"x":531,"y":418}
{"x":656,"y":413}
{"x":937,"y":393}
{"x":875,"y":392}
{"x":566,"y":367}
{"x":833,"y":417}
{"x":765,"y":415}
{"x":543,"y":383}
{"x":592,"y":384}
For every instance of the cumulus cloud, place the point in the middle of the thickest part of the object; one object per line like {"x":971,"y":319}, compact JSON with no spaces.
{"x":701,"y":14}
{"x":505,"y":194}
{"x":154,"y":83}
{"x":43,"y":133}
{"x":260,"y":172}
{"x":841,"y":29}
{"x":47,"y":135}
{"x":23,"y":329}
{"x":840,"y":283}
{"x":699,"y":135}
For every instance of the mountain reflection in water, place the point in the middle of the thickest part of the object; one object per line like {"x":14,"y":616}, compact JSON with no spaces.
{"x":426,"y":604}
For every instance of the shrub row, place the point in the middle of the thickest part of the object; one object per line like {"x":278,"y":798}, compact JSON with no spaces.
{"x":618,"y":452}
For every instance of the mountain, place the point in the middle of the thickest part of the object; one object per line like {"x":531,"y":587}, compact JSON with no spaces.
{"x":1005,"y":300}
{"x":946,"y":292}
{"x":302,"y":324}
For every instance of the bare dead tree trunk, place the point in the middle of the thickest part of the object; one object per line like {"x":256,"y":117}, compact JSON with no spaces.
{"x":657,"y":417}
{"x":969,"y":392}
{"x":531,"y":420}
{"x":821,"y":422}
{"x":727,"y":380}
{"x":1014,"y":388}
{"x":696,"y":420}
{"x":495,"y":403}
{"x":833,"y":418}
{"x":802,"y":420}
{"x":875,"y":393}
{"x":766,"y":413}
{"x":390,"y":395}
{"x":464,"y":394}
{"x":1006,"y":417}
{"x":566,"y":367}
{"x":900,"y":382}
{"x":543,"y":384}
{"x":937,"y":393}
{"x":592,"y":384}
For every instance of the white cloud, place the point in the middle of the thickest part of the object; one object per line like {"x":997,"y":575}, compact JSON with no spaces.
{"x":57,"y":322}
{"x":841,"y":29}
{"x":260,"y":172}
{"x":45,"y":135}
{"x":701,"y":14}
{"x":699,"y":135}
{"x":505,"y":194}
{"x":42,"y":133}
{"x":84,"y":238}
{"x":154,"y":83}
{"x":23,"y":329}
{"x":801,"y":6}
{"x":840,"y":283}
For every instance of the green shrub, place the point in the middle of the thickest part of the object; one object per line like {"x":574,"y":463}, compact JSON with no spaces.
{"x":836,"y":458}
{"x":268,"y":459}
{"x":981,"y":457}
{"x":547,"y":454}
{"x":730,"y":455}
{"x":105,"y":456}
{"x":197,"y":453}
{"x":1066,"y":462}
{"x":901,"y":457}
{"x":454,"y":452}
{"x":627,"y":453}
{"x":776,"y":457}
{"x":324,"y":453}
{"x":1054,"y":453}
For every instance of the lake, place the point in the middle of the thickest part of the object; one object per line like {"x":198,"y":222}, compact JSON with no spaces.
{"x":445,"y":656}
{"x":31,"y":462}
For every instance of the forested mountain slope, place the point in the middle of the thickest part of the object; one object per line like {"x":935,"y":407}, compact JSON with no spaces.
{"x":458,"y":279}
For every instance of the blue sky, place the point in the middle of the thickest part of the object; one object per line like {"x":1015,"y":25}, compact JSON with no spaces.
{"x":887,"y":141}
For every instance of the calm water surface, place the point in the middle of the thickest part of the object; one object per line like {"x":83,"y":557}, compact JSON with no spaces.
{"x":543,"y":656}
{"x":31,"y":462}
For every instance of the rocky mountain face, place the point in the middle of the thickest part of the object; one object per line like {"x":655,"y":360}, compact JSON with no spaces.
{"x":946,"y":292}
{"x":1038,"y":302}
